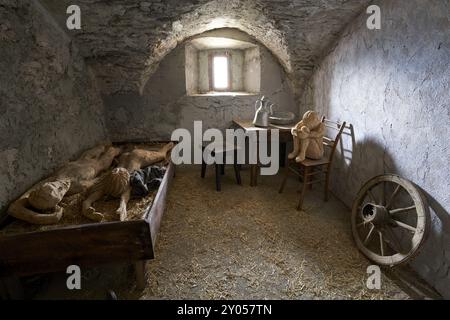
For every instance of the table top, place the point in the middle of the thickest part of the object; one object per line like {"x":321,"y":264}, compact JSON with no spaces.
{"x":248,"y":125}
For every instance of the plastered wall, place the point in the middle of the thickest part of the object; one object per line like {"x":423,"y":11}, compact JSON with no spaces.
{"x":392,"y":86}
{"x":50,"y":109}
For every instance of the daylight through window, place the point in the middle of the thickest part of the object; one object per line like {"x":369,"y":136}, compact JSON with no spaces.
{"x":220,"y":73}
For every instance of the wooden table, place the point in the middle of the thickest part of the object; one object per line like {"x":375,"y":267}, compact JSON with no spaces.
{"x":285,"y":136}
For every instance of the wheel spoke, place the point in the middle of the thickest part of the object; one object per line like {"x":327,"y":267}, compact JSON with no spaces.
{"x":369,"y":234}
{"x":400,"y":210}
{"x":383,"y":193}
{"x":359,"y":225}
{"x":391,"y":199}
{"x":405,"y":226}
{"x":391,"y":239}
{"x":372,"y":197}
{"x":381,"y":243}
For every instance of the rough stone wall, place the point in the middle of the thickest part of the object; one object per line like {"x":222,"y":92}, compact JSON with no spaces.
{"x":252,"y":70}
{"x":49,"y":106}
{"x":164,"y":106}
{"x":126,"y":39}
{"x":191,"y":69}
{"x":392,"y":85}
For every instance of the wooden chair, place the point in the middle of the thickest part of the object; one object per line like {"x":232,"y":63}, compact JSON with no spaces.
{"x":320,"y":170}
{"x":220,"y":168}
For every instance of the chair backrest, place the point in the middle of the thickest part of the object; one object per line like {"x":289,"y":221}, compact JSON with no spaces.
{"x":333,"y":143}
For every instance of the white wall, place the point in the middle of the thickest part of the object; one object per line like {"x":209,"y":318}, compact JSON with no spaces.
{"x":392,"y":86}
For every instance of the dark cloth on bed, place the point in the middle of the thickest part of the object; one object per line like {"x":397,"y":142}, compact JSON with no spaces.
{"x":146,"y":180}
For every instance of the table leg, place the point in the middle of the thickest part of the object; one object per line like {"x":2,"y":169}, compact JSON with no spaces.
{"x":218,"y":174}
{"x":283,"y":151}
{"x":253,"y":175}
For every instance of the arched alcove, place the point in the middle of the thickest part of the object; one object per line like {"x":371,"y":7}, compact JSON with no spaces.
{"x":164,"y":104}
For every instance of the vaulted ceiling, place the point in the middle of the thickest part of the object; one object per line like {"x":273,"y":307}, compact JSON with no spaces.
{"x":124,"y":40}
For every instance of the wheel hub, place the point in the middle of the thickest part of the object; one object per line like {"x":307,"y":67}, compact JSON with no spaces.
{"x":376,"y":214}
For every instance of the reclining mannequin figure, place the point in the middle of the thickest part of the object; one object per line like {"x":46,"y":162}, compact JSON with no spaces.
{"x":39,"y":205}
{"x":117,"y":182}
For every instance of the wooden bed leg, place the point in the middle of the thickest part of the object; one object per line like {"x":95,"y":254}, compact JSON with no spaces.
{"x":139,"y":269}
{"x":11,"y":289}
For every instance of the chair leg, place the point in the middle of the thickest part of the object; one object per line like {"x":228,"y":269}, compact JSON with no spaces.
{"x":283,"y":151}
{"x":222,"y":169}
{"x":305,"y":185}
{"x":310,"y":186}
{"x":237,"y":172}
{"x":286,"y":174}
{"x":203,"y":169}
{"x":327,"y":185}
{"x":203,"y":164}
{"x":252,"y":175}
{"x":312,"y":171}
{"x":218,"y":174}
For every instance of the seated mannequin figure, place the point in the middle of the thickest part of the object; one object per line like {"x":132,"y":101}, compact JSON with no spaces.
{"x":308,"y":138}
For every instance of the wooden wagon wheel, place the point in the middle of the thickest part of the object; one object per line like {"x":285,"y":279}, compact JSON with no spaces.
{"x":389,"y":220}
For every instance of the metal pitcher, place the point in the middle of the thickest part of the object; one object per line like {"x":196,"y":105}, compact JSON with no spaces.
{"x":263,"y":109}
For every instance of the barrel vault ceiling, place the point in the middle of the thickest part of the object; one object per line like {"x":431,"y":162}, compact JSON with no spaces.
{"x":124,"y":40}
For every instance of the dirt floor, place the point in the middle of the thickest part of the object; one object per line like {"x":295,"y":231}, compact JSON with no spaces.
{"x":242,"y":243}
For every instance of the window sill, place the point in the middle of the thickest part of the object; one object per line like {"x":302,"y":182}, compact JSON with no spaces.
{"x":223,"y":94}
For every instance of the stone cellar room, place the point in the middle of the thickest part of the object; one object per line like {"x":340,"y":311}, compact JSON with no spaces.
{"x":208,"y":150}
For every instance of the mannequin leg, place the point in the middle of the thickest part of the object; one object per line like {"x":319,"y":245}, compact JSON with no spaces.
{"x":294,"y":153}
{"x":20,"y":211}
{"x":89,"y":211}
{"x":302,"y":154}
{"x":124,"y":198}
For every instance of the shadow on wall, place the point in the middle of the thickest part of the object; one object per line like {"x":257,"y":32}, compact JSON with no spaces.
{"x":358,"y":162}
{"x":437,"y":266}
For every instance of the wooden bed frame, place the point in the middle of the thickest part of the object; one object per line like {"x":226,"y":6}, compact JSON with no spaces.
{"x":87,"y":245}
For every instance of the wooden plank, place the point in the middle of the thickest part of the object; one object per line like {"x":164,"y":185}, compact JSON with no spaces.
{"x":85,"y":245}
{"x":154,"y":216}
{"x":248,"y":126}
